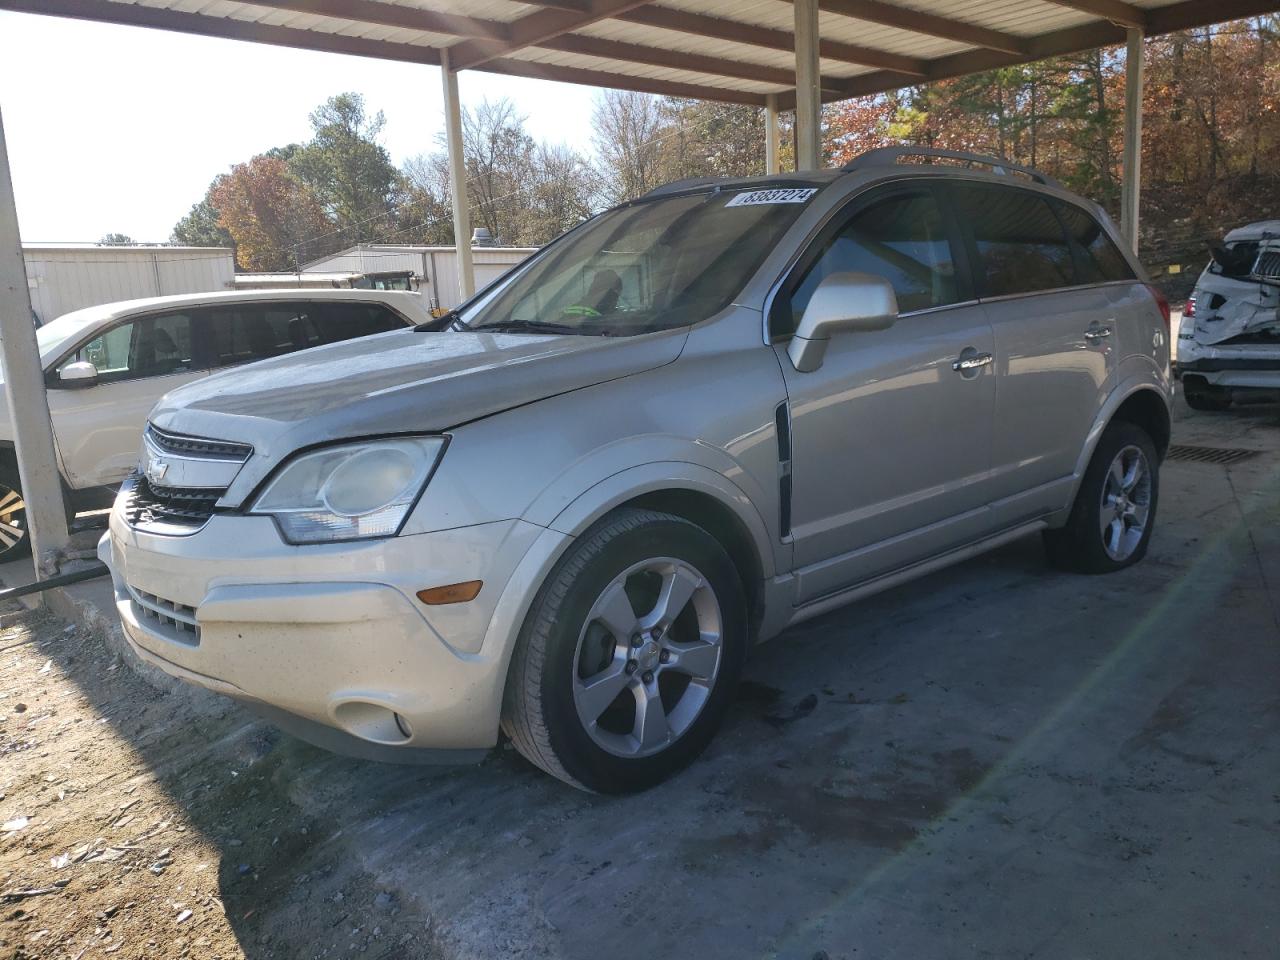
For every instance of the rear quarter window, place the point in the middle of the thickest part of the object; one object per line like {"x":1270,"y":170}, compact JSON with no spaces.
{"x":1098,"y":259}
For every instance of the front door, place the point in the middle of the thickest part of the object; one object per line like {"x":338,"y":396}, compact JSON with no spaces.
{"x":891,"y":442}
{"x":99,"y":429}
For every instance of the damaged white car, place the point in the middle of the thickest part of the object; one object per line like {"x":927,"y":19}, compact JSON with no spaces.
{"x":1229,"y":341}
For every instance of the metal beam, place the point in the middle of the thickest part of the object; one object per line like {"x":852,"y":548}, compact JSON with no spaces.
{"x":1117,"y":11}
{"x":135,"y":15}
{"x":808,"y":93}
{"x":1131,"y":171}
{"x":772,"y":161}
{"x":619,"y":81}
{"x":718,"y":28}
{"x":24,"y":388}
{"x":394,"y":15}
{"x":917,"y":21}
{"x":674,"y":59}
{"x":457,"y":179}
{"x":536,"y":27}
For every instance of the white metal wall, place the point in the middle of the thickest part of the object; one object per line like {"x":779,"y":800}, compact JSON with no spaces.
{"x":490,"y":263}
{"x":66,"y":278}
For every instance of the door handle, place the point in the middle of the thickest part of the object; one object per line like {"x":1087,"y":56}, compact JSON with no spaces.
{"x":972,"y":363}
{"x":1097,"y":333}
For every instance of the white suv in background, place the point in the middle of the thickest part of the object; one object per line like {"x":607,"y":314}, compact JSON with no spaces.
{"x":106,"y":366}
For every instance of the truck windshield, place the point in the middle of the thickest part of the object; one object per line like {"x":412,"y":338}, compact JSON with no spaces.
{"x":652,"y":265}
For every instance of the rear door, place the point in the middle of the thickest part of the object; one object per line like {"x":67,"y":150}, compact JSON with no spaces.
{"x":891,"y":443}
{"x":1055,"y":321}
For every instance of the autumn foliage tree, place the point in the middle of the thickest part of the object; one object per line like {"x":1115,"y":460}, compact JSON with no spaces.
{"x":275,"y":219}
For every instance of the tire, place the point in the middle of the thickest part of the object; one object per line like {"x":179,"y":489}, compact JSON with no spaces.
{"x":1091,"y":541}
{"x":1204,"y":396}
{"x":599,"y":624}
{"x":14,"y":541}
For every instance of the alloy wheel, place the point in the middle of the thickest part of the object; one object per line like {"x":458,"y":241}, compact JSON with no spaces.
{"x":1126,"y":503}
{"x":13,"y":519}
{"x":648,"y":657}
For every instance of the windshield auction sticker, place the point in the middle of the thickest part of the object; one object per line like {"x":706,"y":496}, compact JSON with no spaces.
{"x":753,"y":198}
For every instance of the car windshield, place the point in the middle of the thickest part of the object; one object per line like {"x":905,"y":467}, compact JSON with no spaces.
{"x":651,"y":265}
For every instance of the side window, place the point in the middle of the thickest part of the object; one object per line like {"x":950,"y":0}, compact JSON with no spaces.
{"x":902,"y":238}
{"x":1020,"y":241}
{"x":346,"y":321}
{"x":247,"y":332}
{"x":1097,"y":256}
{"x":146,"y":347}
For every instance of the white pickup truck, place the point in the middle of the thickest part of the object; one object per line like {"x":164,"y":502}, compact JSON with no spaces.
{"x":1229,"y":341}
{"x":106,"y":366}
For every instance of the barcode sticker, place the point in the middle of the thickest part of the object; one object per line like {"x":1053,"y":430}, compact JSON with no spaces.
{"x":753,"y":198}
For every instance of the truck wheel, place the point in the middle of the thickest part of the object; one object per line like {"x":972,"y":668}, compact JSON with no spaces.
{"x":629,"y":655}
{"x":14,"y":542}
{"x":1202,"y":395}
{"x":1115,"y":508}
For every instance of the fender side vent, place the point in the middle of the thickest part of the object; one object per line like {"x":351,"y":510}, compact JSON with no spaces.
{"x":782,"y":427}
{"x":1220,"y":455}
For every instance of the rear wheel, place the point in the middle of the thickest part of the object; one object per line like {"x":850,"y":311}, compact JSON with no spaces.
{"x":629,"y":656}
{"x":14,"y":542}
{"x":1200,"y":394}
{"x":1115,"y":508}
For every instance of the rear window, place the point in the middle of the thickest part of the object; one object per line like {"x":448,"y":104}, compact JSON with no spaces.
{"x":1098,"y":259}
{"x":257,"y":331}
{"x":1021,"y":245}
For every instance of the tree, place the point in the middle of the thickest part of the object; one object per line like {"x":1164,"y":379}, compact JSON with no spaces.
{"x":273,"y":218}
{"x":116,"y":240}
{"x":348,"y":172}
{"x":202,"y":226}
{"x":628,"y":133}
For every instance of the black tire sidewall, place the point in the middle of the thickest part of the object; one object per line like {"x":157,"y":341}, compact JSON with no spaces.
{"x":582,"y":758}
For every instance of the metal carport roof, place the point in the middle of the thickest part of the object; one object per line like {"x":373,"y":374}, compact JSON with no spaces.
{"x":730,"y":50}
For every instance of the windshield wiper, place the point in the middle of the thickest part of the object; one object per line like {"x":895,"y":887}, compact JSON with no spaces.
{"x":533,"y":326}
{"x":436,"y":324}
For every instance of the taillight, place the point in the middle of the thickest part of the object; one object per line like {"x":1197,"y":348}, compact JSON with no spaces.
{"x":1190,"y":309}
{"x":1163,"y":303}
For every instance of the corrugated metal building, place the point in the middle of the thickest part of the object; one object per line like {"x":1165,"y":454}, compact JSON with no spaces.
{"x":436,"y":267}
{"x":66,"y":277}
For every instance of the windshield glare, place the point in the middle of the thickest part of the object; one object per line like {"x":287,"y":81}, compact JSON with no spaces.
{"x":653,"y":265}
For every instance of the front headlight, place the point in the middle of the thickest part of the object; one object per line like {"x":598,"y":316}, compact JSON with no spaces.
{"x":353,"y":491}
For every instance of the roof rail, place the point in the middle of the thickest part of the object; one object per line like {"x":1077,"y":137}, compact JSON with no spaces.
{"x":688,"y":183}
{"x":890,"y":156}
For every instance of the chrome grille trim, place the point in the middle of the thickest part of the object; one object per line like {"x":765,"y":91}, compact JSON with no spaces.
{"x":172,"y":620}
{"x":197,"y":447}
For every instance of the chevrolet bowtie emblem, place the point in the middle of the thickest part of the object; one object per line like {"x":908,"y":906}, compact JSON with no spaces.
{"x":156,"y":469}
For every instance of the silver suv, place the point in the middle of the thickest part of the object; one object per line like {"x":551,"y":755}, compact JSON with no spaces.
{"x":696,"y":419}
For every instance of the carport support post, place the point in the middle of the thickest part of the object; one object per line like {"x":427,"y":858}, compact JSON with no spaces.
{"x":772,"y":162}
{"x":1131,"y":184}
{"x":24,"y":389}
{"x":808,"y":95}
{"x":457,"y":178}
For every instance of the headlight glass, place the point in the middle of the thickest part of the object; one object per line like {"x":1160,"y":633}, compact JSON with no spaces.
{"x":353,"y":491}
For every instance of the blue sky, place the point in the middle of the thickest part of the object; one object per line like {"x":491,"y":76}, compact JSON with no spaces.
{"x":120,"y":129}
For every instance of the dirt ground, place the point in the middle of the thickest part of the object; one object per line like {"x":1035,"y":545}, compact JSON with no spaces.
{"x":998,"y":761}
{"x":139,"y":824}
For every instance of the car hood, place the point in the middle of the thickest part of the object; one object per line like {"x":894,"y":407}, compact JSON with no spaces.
{"x":398,"y":382}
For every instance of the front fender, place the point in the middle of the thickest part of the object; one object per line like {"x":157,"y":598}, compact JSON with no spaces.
{"x":609,"y":492}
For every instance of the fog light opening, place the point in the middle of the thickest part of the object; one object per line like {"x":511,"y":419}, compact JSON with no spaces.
{"x":373,"y":722}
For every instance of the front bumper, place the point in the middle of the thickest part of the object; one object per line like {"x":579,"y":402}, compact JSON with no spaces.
{"x":333,"y":634}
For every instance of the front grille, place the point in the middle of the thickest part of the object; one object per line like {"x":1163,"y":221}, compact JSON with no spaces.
{"x":198,"y":446}
{"x":156,"y":508}
{"x":174,"y":621}
{"x":1268,"y":265}
{"x":1223,"y":455}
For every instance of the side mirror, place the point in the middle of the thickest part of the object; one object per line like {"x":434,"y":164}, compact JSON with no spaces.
{"x":78,"y":375}
{"x":843,"y":303}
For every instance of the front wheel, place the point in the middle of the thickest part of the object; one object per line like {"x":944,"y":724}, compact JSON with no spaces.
{"x":1115,"y":508}
{"x":629,"y":655}
{"x":14,"y":542}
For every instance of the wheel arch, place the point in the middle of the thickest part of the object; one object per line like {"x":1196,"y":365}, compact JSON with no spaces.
{"x":1136,"y":400}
